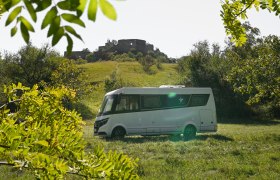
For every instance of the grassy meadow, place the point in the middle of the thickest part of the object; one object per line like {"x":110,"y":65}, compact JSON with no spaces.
{"x":247,"y":149}
{"x":236,"y":151}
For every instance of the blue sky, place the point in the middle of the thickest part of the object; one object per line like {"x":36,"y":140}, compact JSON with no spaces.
{"x":173,"y":26}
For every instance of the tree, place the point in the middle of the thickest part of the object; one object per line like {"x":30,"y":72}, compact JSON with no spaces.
{"x":45,"y":138}
{"x":30,"y":65}
{"x":233,"y":11}
{"x":259,"y":77}
{"x":208,"y":67}
{"x":59,"y":16}
{"x":247,"y":49}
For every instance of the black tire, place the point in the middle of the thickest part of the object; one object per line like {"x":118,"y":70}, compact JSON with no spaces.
{"x":189,"y":132}
{"x":118,"y":133}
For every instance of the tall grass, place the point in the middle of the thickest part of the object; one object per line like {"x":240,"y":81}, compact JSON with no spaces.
{"x":235,"y":151}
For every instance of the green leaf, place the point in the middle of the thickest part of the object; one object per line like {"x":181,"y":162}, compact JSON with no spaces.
{"x":70,"y":44}
{"x":13,"y":15}
{"x":24,"y":32}
{"x":42,"y":5}
{"x":73,"y":32}
{"x":26,"y":23}
{"x":107,"y":9}
{"x":69,"y":5}
{"x":42,"y":143}
{"x":81,"y":7}
{"x":92,"y":10}
{"x":73,"y":19}
{"x":54,"y":26}
{"x":15,"y":2}
{"x":49,"y":17}
{"x":9,"y":4}
{"x":31,"y":10}
{"x":64,"y":5}
{"x":13,"y":31}
{"x":57,"y":36}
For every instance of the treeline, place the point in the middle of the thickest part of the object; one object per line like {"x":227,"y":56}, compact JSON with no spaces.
{"x":46,"y":68}
{"x":245,"y":80}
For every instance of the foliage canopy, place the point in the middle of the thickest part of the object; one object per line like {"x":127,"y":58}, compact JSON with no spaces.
{"x":233,"y":11}
{"x":59,"y":16}
{"x":45,"y":138}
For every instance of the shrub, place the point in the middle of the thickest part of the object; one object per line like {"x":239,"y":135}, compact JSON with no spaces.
{"x":123,"y":57}
{"x":80,"y":61}
{"x":114,"y":81}
{"x":45,"y":138}
{"x":147,"y":62}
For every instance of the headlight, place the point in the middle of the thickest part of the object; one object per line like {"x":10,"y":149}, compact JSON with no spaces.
{"x":100,"y":123}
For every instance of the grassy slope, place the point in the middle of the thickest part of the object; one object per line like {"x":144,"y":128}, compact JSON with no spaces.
{"x":130,"y":72}
{"x":235,"y":151}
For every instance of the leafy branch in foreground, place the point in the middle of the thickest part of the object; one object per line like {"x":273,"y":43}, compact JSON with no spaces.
{"x":233,"y":11}
{"x":59,"y":16}
{"x":47,"y":139}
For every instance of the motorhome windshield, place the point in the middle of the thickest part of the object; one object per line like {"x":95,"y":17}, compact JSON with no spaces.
{"x":107,"y":105}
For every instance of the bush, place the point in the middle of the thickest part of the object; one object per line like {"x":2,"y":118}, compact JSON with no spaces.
{"x":47,"y":139}
{"x":80,"y":61}
{"x":123,"y":57}
{"x":114,"y":81}
{"x":147,"y":62}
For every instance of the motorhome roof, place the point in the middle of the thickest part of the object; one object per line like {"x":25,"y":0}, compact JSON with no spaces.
{"x":156,"y":90}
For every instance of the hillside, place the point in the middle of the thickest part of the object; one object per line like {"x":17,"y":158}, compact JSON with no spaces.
{"x":131,"y":73}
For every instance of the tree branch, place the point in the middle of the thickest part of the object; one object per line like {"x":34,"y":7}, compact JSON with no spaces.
{"x":6,"y":163}
{"x":245,"y":8}
{"x":18,"y":100}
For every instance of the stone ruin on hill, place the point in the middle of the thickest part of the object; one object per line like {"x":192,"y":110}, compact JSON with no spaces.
{"x":137,"y":45}
{"x":119,"y":47}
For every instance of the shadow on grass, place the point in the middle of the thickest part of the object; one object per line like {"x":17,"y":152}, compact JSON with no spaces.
{"x":174,"y":138}
{"x":250,"y":121}
{"x":218,"y":137}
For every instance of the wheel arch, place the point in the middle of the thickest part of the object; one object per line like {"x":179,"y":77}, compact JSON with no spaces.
{"x":118,"y":126}
{"x":190,"y":123}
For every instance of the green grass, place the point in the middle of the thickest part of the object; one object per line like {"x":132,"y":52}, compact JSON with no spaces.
{"x":236,"y":151}
{"x":130,"y":72}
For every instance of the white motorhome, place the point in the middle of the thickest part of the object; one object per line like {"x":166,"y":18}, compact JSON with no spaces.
{"x":156,"y":111}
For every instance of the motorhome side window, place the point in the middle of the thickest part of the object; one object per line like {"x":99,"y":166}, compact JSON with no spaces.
{"x":151,"y":102}
{"x":177,"y":101}
{"x":128,"y":103}
{"x":199,"y":100}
